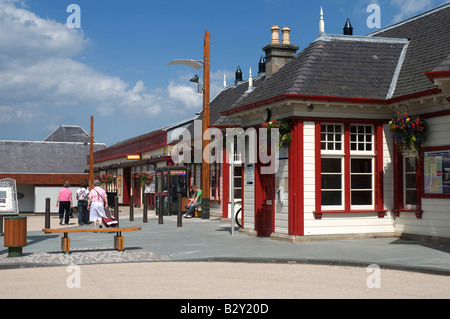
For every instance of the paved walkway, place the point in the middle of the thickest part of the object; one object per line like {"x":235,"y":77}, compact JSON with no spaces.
{"x":211,"y":240}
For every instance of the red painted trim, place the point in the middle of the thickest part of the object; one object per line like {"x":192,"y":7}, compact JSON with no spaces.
{"x":379,"y":183}
{"x":337,"y":99}
{"x":45,"y":179}
{"x":318,"y":176}
{"x":381,"y":213}
{"x":296,"y":181}
{"x":436,"y":114}
{"x":339,"y":120}
{"x":437,"y":74}
{"x":347,"y":169}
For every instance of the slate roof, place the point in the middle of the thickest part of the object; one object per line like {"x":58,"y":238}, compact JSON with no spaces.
{"x":66,"y":133}
{"x":18,"y":157}
{"x":65,"y":151}
{"x":444,"y":66}
{"x":429,"y":35}
{"x":388,"y":63}
{"x":333,"y":65}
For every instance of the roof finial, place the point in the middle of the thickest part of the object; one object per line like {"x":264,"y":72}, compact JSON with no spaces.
{"x":224,"y":80}
{"x":250,"y":80}
{"x":321,"y":24}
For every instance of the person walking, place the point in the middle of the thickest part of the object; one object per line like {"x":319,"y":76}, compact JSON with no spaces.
{"x":97,"y":203}
{"x":195,"y":202}
{"x":65,"y":203}
{"x":82,"y":198}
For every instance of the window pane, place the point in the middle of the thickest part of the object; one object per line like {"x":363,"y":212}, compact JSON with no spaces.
{"x":410,"y":197}
{"x":410,"y":165}
{"x":331,"y":181}
{"x":331,"y":165}
{"x":331,"y":198}
{"x":410,"y":181}
{"x":361,"y":197}
{"x":361,"y":166}
{"x":361,"y":181}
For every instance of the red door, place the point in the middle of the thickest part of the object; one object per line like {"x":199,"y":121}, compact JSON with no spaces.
{"x":265,"y":203}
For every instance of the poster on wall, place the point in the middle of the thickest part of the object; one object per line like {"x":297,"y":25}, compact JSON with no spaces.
{"x":437,"y":172}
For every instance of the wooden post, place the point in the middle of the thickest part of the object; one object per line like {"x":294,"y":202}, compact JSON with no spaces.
{"x":145,"y":213}
{"x":205,"y":125}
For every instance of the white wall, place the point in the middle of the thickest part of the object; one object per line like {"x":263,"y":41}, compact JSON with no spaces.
{"x":435,"y":220}
{"x":42,"y":193}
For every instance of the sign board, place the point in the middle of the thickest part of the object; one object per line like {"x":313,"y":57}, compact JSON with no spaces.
{"x":437,"y":172}
{"x":8,"y":197}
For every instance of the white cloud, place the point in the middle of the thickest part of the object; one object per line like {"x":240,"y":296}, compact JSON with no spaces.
{"x":409,"y":8}
{"x":42,"y":84}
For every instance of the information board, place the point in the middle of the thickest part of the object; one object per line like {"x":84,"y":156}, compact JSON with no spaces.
{"x":8,"y":197}
{"x":437,"y":172}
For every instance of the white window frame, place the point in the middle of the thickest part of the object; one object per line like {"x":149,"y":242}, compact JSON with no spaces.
{"x":334,"y":154}
{"x":363,"y":207}
{"x":405,"y":189}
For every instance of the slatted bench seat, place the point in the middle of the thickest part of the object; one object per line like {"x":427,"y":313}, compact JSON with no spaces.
{"x":65,"y":240}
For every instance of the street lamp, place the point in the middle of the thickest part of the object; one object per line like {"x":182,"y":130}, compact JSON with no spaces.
{"x":198,"y":64}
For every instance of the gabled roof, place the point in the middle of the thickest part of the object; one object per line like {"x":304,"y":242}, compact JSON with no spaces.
{"x":429,"y":35}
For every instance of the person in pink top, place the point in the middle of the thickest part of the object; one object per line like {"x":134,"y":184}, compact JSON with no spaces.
{"x":97,"y":203}
{"x":65,"y":203}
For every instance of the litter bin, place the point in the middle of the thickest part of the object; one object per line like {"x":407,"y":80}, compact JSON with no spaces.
{"x":15,"y":235}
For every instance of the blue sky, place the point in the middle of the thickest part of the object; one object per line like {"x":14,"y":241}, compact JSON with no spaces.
{"x":115,"y":66}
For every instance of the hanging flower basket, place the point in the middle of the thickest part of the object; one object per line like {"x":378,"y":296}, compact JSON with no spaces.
{"x":106,"y":178}
{"x":408,"y":132}
{"x":144,"y":178}
{"x":284,"y":130}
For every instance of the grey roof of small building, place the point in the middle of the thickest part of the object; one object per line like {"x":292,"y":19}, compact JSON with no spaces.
{"x":67,"y":133}
{"x":429,"y":35}
{"x":23,"y":157}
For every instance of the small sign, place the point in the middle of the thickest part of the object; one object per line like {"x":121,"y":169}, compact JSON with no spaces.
{"x":133,"y":157}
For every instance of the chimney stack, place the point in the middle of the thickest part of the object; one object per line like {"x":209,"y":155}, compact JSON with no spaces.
{"x":286,"y":31}
{"x":278,"y":54}
{"x":262,"y":65}
{"x":238,"y":75}
{"x":348,"y":29}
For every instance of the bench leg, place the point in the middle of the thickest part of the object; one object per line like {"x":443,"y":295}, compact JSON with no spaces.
{"x":65,"y":243}
{"x":119,"y":243}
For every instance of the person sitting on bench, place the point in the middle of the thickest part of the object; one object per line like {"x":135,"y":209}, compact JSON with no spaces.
{"x":195,"y":202}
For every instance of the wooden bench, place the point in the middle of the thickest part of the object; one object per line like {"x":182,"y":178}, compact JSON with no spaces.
{"x":65,"y":240}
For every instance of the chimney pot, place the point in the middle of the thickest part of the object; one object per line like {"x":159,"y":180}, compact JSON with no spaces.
{"x":275,"y":34}
{"x":286,"y":31}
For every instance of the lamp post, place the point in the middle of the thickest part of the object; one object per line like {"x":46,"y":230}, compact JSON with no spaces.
{"x":198,"y":64}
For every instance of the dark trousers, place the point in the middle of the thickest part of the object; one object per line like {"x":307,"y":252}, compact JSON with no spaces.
{"x":83,"y":213}
{"x":64,"y":207}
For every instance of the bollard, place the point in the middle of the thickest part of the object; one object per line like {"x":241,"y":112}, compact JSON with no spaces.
{"x":179,"y":219}
{"x":116,"y":209}
{"x":132,"y":208}
{"x":160,"y":215}
{"x":47,"y":213}
{"x":144,"y":217}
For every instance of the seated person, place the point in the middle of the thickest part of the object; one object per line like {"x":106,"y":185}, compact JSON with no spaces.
{"x":195,"y":201}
